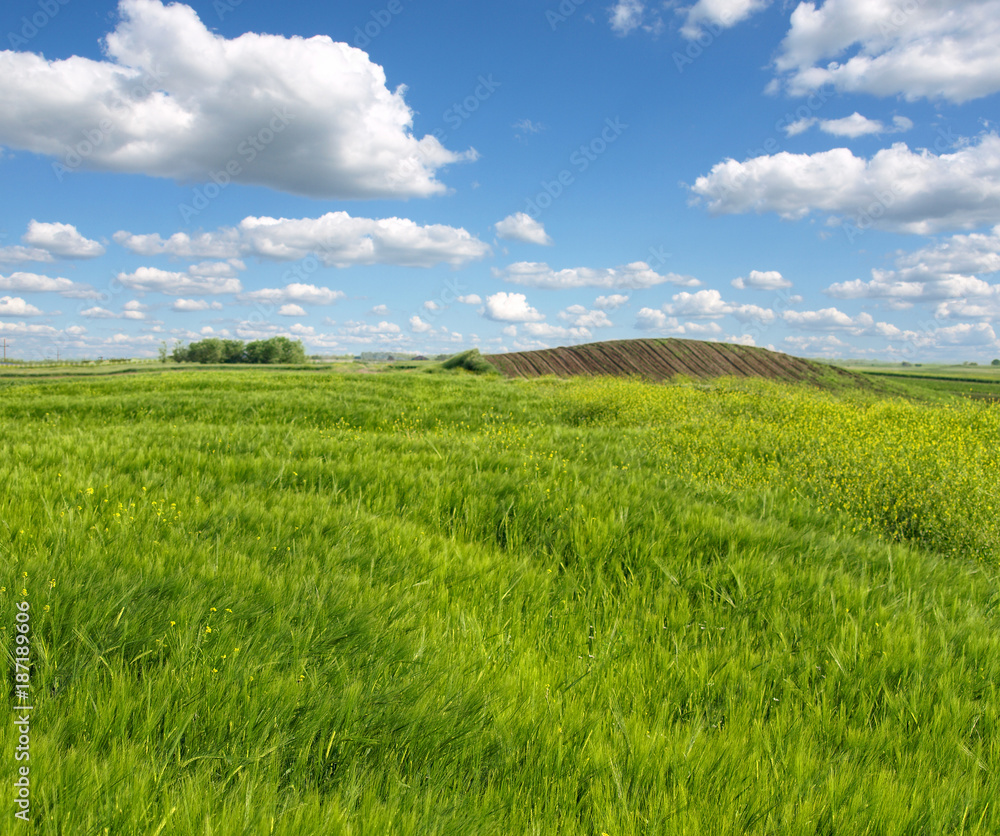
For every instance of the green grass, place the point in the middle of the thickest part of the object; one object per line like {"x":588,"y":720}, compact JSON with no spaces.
{"x":936,"y":380}
{"x":306,"y":602}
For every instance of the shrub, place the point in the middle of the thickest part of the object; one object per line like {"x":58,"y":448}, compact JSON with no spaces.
{"x":472,"y":361}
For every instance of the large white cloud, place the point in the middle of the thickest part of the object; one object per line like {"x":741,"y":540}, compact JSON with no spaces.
{"x":832,"y":319}
{"x":635,"y":275}
{"x":341,"y":240}
{"x":294,"y":292}
{"x":16,"y":306}
{"x":709,"y":304}
{"x":62,"y":240}
{"x":988,"y":309}
{"x":545,"y":330}
{"x":916,"y":49}
{"x":907,"y":287}
{"x":223,"y":243}
{"x":197,"y":280}
{"x":510,"y":307}
{"x":362,"y":332}
{"x":651,"y":319}
{"x":947,"y":270}
{"x":336,"y":238}
{"x":580,"y":317}
{"x":522,"y":227}
{"x":35,"y":283}
{"x":897,"y":189}
{"x":48,"y":241}
{"x":303,"y":115}
{"x":24,"y":329}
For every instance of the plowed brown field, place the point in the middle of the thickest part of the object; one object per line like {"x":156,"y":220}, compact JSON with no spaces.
{"x":666,"y":358}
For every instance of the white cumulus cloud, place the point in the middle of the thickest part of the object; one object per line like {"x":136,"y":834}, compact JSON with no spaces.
{"x":580,"y":317}
{"x":48,"y":241}
{"x":337,"y":239}
{"x":522,"y":227}
{"x":610,"y":302}
{"x":303,"y":115}
{"x":16,"y":306}
{"x":294,"y":292}
{"x":709,"y":304}
{"x":35,"y":283}
{"x":897,"y":189}
{"x":761,"y":280}
{"x":923,"y":49}
{"x":949,"y":270}
{"x":192,"y":305}
{"x":718,"y":14}
{"x":544,"y":329}
{"x":61,"y":240}
{"x":510,"y":307}
{"x":198,"y":280}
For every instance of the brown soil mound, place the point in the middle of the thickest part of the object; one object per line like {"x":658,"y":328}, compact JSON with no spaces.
{"x":666,"y":358}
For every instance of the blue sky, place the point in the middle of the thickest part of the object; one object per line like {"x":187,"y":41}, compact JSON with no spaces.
{"x":819,"y":178}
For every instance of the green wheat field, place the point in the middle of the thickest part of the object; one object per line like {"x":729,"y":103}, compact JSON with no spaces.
{"x":308,"y":602}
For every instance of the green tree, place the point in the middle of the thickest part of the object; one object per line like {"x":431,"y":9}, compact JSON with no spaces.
{"x":206,"y":351}
{"x":291,"y":351}
{"x":995,"y":363}
{"x":262,"y":351}
{"x":276,"y":350}
{"x":233,"y":351}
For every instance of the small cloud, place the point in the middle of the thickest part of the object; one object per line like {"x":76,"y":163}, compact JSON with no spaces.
{"x":628,"y":15}
{"x":525,"y":127}
{"x":522,"y":227}
{"x":800,"y":126}
{"x":761,"y":280}
{"x":851,"y":126}
{"x":97,"y":313}
{"x":510,"y":307}
{"x":611,"y":302}
{"x":189,"y":305}
{"x":291,"y":310}
{"x":580,"y":317}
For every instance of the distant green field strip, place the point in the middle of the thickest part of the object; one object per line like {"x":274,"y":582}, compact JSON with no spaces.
{"x":986,"y":378}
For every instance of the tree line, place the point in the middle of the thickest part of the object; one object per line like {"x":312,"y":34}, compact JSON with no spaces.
{"x":214,"y":350}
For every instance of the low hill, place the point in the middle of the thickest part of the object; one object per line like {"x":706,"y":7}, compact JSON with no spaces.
{"x":662,"y":359}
